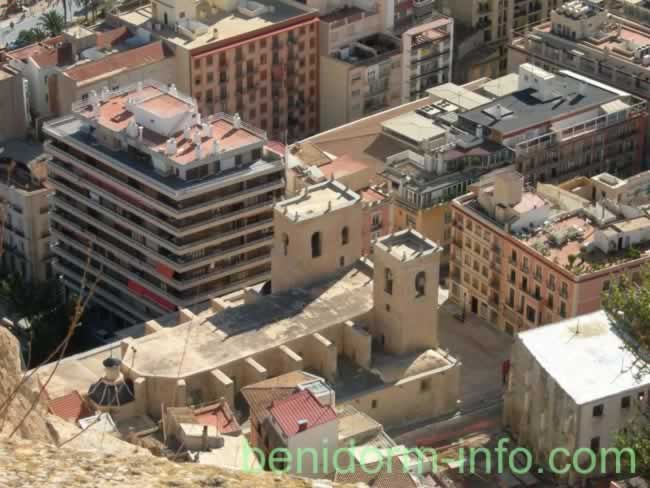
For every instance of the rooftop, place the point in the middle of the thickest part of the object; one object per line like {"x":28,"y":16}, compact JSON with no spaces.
{"x":70,"y":407}
{"x":586,"y":357}
{"x":302,"y":406}
{"x":464,"y":98}
{"x":502,"y":86}
{"x":370,"y":49}
{"x":317,"y":200}
{"x":227,"y":24}
{"x":407,"y":245}
{"x":117,"y":63}
{"x":415,"y":127}
{"x":526,"y":108}
{"x":214,"y":340}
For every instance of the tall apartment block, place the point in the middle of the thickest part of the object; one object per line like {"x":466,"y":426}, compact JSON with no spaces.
{"x":484,"y":29}
{"x":369,"y":64}
{"x":586,"y":39}
{"x":524,"y":257}
{"x":171,"y":208}
{"x":255,"y":58}
{"x":24,"y":211}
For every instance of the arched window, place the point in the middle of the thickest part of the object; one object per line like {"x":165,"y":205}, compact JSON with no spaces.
{"x":285,"y":244}
{"x":420,"y":283}
{"x":316,"y":245}
{"x":345,"y":235}
{"x":388,"y":281}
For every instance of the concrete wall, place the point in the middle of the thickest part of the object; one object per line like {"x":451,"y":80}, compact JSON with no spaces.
{"x":13,"y":122}
{"x":423,"y":396}
{"x":318,"y":437}
{"x":334,"y":92}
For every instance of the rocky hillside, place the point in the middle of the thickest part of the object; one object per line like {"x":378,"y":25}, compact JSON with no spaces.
{"x":32,"y":458}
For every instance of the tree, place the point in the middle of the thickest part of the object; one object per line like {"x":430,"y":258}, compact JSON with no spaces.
{"x":627,"y":303}
{"x":52,"y":22}
{"x":29,"y":36}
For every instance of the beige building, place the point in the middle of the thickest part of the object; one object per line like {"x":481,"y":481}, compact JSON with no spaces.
{"x":484,"y":30}
{"x":588,"y":40}
{"x":177,"y":206}
{"x":255,"y":58}
{"x":14,"y":101}
{"x":368,"y":328}
{"x":24,"y":194}
{"x":572,"y":385}
{"x":522,"y":258}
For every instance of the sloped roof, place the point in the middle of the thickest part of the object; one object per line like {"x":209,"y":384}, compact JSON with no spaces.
{"x":69,"y":407}
{"x":123,"y":61}
{"x":301,"y":406}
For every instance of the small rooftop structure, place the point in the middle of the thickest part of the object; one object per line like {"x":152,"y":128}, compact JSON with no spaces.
{"x":586,"y":357}
{"x":71,"y":407}
{"x":370,"y":49}
{"x":111,"y":390}
{"x":464,"y":98}
{"x":414,"y":127}
{"x":407,"y":245}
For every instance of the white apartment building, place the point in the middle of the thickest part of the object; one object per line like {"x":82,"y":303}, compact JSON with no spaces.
{"x":172,"y":208}
{"x":572,"y":385}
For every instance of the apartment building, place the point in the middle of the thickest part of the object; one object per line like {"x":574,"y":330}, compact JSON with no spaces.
{"x":24,"y":193}
{"x":67,"y":68}
{"x":523,"y":257}
{"x":14,"y":100}
{"x":564,"y":125}
{"x":372,"y":65}
{"x":172,"y":208}
{"x":485,"y":27}
{"x":255,"y":58}
{"x":427,"y":57}
{"x":573,"y":385}
{"x":586,"y":39}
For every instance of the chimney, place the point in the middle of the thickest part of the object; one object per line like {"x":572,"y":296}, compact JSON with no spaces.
{"x":302,"y":425}
{"x":204,"y":438}
{"x":172,"y":90}
{"x":237,"y":121}
{"x":140,"y":132}
{"x":112,"y":369}
{"x":171,"y":147}
{"x":196,"y":139}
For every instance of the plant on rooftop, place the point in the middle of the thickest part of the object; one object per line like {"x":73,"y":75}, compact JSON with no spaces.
{"x":52,"y":22}
{"x":632,"y":253}
{"x":627,"y":304}
{"x":572,"y":259}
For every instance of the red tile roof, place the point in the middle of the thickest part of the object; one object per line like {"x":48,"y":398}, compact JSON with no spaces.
{"x":110,"y":38}
{"x":301,"y":406}
{"x":69,"y":407}
{"x":134,"y":58}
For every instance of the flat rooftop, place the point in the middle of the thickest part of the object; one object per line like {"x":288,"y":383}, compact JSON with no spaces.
{"x":502,"y":86}
{"x":229,"y":25}
{"x":415,"y":127}
{"x":152,"y":104}
{"x":407,"y":244}
{"x":523,"y":108}
{"x":464,"y":98}
{"x":214,"y":340}
{"x":586,"y":357}
{"x":317,"y":200}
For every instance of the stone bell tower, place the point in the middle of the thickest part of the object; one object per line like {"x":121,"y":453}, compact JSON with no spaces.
{"x":406,"y":292}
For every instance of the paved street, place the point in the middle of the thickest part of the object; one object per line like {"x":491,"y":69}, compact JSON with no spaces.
{"x":9,"y":34}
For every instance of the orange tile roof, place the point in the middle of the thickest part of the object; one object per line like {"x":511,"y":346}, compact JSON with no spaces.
{"x":301,"y":406}
{"x":218,"y":415}
{"x":109,"y":38}
{"x":341,"y":166}
{"x":69,"y":407}
{"x":26,"y":52}
{"x":134,"y":58}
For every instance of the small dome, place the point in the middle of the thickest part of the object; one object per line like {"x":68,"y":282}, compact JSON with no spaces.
{"x":111,"y":394}
{"x":112,"y":362}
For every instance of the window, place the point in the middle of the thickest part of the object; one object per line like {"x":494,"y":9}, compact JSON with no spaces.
{"x":549,"y":301}
{"x":376,"y":221}
{"x":595,"y":444}
{"x":316,"y":245}
{"x":388,"y":281}
{"x":425,"y":385}
{"x":513,"y":258}
{"x":563,"y":309}
{"x":599,"y":410}
{"x":345,"y":236}
{"x":530,"y":313}
{"x":625,"y":402}
{"x":342,"y":261}
{"x":420,"y":283}
{"x":285,"y":244}
{"x":373,"y":404}
{"x":387,"y":307}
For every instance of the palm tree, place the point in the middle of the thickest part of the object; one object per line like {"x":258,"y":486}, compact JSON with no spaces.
{"x":30,"y":36}
{"x":52,"y":22}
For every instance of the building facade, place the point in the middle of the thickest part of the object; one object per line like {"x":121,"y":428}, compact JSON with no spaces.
{"x":573,"y":385}
{"x":25,"y":233}
{"x":14,"y":100}
{"x":173,"y":209}
{"x":522,"y":258}
{"x":258,"y":59}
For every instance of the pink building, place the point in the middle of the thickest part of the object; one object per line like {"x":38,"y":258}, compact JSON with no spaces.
{"x":524,"y":258}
